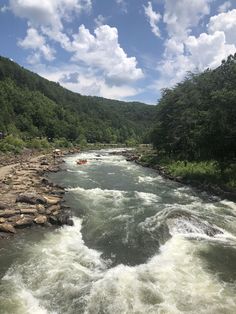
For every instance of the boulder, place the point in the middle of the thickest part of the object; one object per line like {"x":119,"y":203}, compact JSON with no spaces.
{"x":24,"y":222}
{"x":6,"y":227}
{"x":31,"y":198}
{"x":40,"y":220}
{"x":2,"y":220}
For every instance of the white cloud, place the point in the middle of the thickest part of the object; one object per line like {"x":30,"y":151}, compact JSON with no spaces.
{"x":197,"y":53}
{"x":103,"y":52}
{"x":208,"y":50}
{"x":48,"y":12}
{"x":36,"y":42}
{"x":224,"y":7}
{"x":181,"y":15}
{"x":123,"y":5}
{"x":153,"y":18}
{"x":173,"y":47}
{"x":225,"y":22}
{"x":99,"y":66}
{"x":85,"y":81}
{"x":100,"y":20}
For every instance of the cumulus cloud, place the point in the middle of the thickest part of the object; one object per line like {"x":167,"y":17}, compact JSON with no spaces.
{"x":224,"y":7}
{"x":86,"y":81}
{"x":181,"y":15}
{"x":48,"y":12}
{"x":225,"y":22}
{"x":103,"y":52}
{"x":102,"y":66}
{"x":185,"y":52}
{"x":37,"y":43}
{"x":214,"y":46}
{"x":153,"y":19}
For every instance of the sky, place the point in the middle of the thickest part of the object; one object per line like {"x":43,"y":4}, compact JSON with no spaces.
{"x":120,"y":49}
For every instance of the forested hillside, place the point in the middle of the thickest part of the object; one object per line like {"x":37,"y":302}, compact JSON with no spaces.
{"x":196,"y":120}
{"x":32,"y":106}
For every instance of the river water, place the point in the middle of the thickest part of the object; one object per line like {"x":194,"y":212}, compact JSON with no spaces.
{"x":139,"y":244}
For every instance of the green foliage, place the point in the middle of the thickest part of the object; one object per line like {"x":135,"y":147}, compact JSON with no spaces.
{"x":62,"y":142}
{"x":37,"y":143}
{"x":32,"y":106}
{"x":196,"y":118}
{"x":11,"y":144}
{"x":208,"y":171}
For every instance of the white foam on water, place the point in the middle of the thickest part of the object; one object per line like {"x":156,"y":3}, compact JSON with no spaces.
{"x":173,"y":282}
{"x":60,"y":268}
{"x":229,"y":204}
{"x":148,"y":179}
{"x":147,"y":198}
{"x":99,"y":196}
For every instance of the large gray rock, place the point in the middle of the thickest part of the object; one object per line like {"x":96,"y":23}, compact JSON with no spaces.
{"x":31,"y":198}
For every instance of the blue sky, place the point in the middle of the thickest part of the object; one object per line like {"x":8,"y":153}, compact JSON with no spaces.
{"x":121,"y":49}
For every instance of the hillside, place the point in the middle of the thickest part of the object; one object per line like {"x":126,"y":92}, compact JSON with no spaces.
{"x":195,"y":128}
{"x":196,"y":120}
{"x":32,"y":106}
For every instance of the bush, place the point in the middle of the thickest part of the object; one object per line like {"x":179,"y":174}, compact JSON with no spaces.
{"x":38,"y":143}
{"x":12,"y":144}
{"x":62,"y":142}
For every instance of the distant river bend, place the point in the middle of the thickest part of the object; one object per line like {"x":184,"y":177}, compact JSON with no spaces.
{"x":139,"y":244}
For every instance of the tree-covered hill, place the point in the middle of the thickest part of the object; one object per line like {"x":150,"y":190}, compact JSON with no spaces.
{"x":32,"y":106}
{"x":196,"y":120}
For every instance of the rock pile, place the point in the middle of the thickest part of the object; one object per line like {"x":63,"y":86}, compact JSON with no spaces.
{"x":27,"y":198}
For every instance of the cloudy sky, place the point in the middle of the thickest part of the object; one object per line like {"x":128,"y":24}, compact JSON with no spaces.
{"x":122,"y":49}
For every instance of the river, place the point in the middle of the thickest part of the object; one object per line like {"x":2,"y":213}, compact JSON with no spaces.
{"x":139,"y":244}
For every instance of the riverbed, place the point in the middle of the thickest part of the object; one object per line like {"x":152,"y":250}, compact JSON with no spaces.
{"x":139,"y":244}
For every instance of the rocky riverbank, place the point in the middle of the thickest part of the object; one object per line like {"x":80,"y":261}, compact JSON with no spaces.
{"x":28,"y":198}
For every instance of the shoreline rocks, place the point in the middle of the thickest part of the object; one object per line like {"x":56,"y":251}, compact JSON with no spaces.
{"x":28,"y":198}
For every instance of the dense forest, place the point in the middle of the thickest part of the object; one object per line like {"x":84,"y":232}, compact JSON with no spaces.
{"x":33,"y":107}
{"x":196,"y":119}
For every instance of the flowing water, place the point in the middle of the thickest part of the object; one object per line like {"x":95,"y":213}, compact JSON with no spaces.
{"x":139,"y":244}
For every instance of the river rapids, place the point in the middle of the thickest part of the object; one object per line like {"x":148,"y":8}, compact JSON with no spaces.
{"x":139,"y":244}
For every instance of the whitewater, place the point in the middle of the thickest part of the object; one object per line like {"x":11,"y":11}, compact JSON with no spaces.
{"x":139,"y":244}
